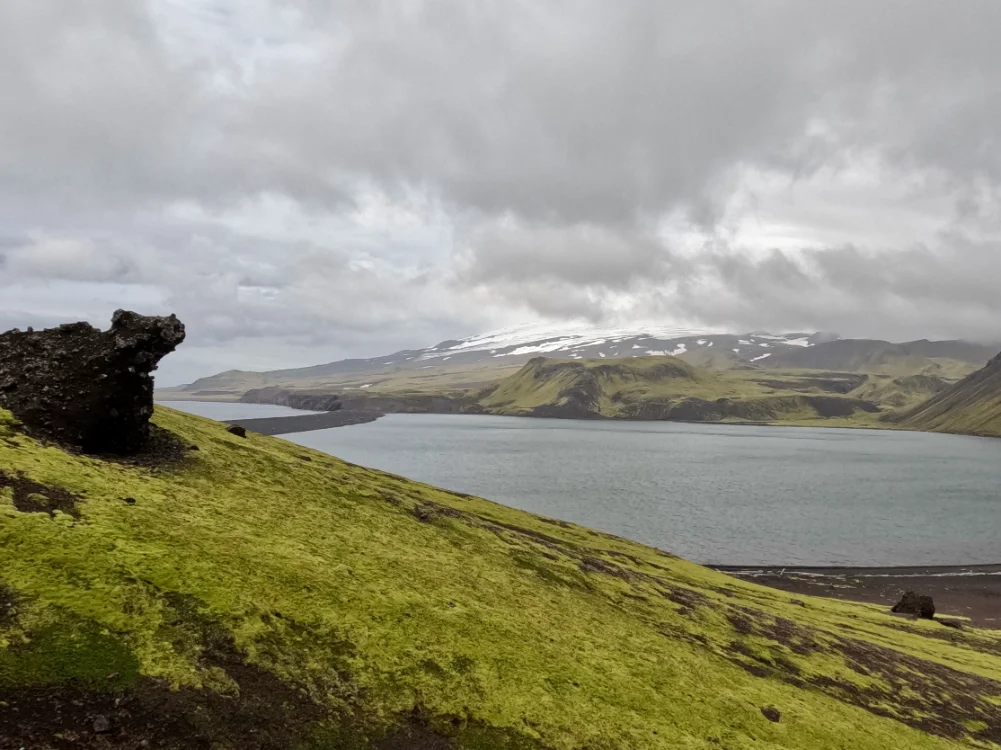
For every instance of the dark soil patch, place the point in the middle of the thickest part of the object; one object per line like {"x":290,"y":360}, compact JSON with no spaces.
{"x":597,"y":565}
{"x":771,"y":713}
{"x":259,"y":711}
{"x":555,"y":522}
{"x":740,"y":622}
{"x":686,"y":597}
{"x":552,"y":542}
{"x":32,"y":497}
{"x":266,"y":715}
{"x":926,"y":695}
{"x":8,"y":607}
{"x":923,"y":694}
{"x":428,"y":511}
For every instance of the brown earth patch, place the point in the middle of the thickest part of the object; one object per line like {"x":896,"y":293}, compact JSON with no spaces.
{"x":8,"y":607}
{"x":685,"y":597}
{"x":251,"y":708}
{"x":260,"y":713}
{"x":597,"y":565}
{"x":927,"y":695}
{"x":921,"y":693}
{"x":427,"y":511}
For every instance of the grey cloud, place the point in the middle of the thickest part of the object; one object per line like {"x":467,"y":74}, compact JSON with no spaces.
{"x":597,"y":111}
{"x":577,"y":111}
{"x":139,"y":141}
{"x":583,"y":254}
{"x":914,"y":293}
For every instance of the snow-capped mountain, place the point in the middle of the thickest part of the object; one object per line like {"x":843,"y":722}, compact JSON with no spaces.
{"x":515,"y":346}
{"x":580,"y":342}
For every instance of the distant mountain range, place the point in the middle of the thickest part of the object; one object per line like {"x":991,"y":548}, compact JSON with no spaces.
{"x":479,"y":360}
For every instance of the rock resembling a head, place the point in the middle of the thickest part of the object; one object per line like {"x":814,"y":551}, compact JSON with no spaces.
{"x":87,"y":388}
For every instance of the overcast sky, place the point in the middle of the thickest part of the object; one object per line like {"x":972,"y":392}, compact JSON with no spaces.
{"x":302,"y":181}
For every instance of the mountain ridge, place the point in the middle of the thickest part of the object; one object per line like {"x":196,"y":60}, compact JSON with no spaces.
{"x":473,"y":361}
{"x":662,"y":388}
{"x":971,"y":406}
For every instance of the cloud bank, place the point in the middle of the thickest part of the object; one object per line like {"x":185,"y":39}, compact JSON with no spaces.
{"x":303,"y":181}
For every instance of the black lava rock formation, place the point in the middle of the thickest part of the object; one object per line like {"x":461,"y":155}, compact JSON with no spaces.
{"x":84,"y":387}
{"x":915,"y":604}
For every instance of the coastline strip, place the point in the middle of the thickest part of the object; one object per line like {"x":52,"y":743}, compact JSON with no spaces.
{"x":306,"y":422}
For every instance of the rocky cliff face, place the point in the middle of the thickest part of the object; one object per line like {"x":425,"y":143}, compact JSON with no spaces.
{"x":84,"y":387}
{"x":293,"y":399}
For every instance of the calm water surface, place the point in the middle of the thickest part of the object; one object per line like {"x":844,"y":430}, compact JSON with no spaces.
{"x":712,"y":493}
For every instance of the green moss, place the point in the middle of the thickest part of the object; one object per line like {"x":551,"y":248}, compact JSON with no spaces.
{"x":494,"y":626}
{"x":68,"y":651}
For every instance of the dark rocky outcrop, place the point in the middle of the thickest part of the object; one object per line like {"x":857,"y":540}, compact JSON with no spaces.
{"x":404,"y":403}
{"x":293,"y":399}
{"x":87,"y":388}
{"x":771,"y":713}
{"x":238,"y":430}
{"x":912,"y":603}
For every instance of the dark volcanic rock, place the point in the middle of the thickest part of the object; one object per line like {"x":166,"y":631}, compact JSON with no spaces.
{"x":915,"y":604}
{"x":293,"y":399}
{"x":771,"y":713}
{"x":84,"y":387}
{"x":235,"y":429}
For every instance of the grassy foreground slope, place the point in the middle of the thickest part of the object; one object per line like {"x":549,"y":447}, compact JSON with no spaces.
{"x":259,"y":594}
{"x":971,"y":406}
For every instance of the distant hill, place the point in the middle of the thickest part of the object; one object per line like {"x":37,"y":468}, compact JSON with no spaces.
{"x":971,"y":406}
{"x":655,"y":388}
{"x":949,"y":359}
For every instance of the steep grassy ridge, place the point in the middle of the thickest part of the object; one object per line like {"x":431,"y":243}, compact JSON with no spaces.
{"x":262,"y":595}
{"x":900,"y":392}
{"x":972,"y":406}
{"x":660,"y":387}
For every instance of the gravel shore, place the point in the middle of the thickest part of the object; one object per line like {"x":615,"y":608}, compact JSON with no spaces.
{"x":972,"y":591}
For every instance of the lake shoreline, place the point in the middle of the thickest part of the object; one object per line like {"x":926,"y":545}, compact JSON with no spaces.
{"x":972,"y":591}
{"x":880,"y":583}
{"x":831,"y":423}
{"x":307,"y":422}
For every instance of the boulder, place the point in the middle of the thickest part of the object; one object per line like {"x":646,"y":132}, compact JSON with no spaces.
{"x":771,"y":713}
{"x":87,"y":388}
{"x":238,"y":430}
{"x":915,"y":604}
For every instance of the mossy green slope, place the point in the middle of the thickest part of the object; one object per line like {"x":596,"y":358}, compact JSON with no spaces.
{"x":351,"y":608}
{"x":658,"y":387}
{"x":971,"y":406}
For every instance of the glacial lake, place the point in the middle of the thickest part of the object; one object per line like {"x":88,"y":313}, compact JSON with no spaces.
{"x":722,"y":494}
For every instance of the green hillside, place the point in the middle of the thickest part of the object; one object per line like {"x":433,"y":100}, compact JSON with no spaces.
{"x":260,"y":595}
{"x":662,"y":387}
{"x":972,"y":406}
